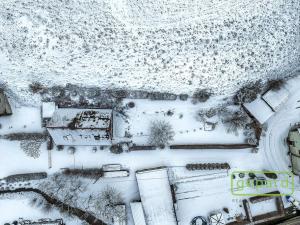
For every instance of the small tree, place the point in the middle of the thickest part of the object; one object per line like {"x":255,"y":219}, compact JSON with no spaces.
{"x":161,"y":132}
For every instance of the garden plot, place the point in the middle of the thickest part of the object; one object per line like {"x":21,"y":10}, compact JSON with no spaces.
{"x":181,"y":115}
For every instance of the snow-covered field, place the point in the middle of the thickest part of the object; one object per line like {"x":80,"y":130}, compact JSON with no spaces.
{"x":175,"y":46}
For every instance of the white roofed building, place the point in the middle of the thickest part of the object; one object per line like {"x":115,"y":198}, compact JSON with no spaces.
{"x":156,"y":197}
{"x":70,"y":126}
{"x":275,"y":98}
{"x":259,"y":109}
{"x":138,"y":213}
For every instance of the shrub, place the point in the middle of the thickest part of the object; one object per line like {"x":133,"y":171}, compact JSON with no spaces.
{"x":183,"y":97}
{"x":161,"y":133}
{"x":131,"y":104}
{"x":36,"y":87}
{"x":31,"y":148}
{"x":275,"y":84}
{"x":201,"y":95}
{"x":248,"y":93}
{"x":116,"y":149}
{"x":88,"y":173}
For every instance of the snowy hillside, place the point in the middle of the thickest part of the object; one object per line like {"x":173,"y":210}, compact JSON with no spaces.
{"x":164,"y":45}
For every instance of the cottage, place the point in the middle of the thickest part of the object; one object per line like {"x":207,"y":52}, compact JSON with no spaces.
{"x":5,"y":108}
{"x":86,"y":127}
{"x":156,"y":196}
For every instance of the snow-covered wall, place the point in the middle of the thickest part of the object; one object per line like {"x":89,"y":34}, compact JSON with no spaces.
{"x":164,"y":45}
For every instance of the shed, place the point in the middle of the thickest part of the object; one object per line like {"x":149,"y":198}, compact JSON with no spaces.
{"x":259,"y":109}
{"x":275,"y":98}
{"x":137,"y":213}
{"x":5,"y":108}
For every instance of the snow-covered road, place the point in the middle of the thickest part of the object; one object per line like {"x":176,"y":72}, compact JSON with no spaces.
{"x":273,"y":141}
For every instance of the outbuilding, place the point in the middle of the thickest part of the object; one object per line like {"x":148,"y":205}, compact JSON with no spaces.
{"x":156,"y":196}
{"x":259,"y":109}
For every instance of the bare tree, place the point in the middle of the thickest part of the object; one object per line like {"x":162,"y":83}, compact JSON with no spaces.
{"x":235,"y":121}
{"x":161,"y":132}
{"x":108,"y":204}
{"x":65,"y":188}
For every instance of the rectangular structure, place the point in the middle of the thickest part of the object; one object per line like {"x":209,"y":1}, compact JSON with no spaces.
{"x":69,"y":126}
{"x":259,"y":110}
{"x":275,"y":98}
{"x":138,"y":213}
{"x":156,"y":197}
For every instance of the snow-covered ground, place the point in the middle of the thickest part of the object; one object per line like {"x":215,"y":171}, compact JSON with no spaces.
{"x":197,"y":193}
{"x":15,"y":206}
{"x":182,"y":117}
{"x":174,"y":46}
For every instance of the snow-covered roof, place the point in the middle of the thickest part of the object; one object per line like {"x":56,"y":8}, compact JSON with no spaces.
{"x":117,"y":173}
{"x":259,"y":109}
{"x":81,"y":118}
{"x":69,"y":126}
{"x":156,"y":197}
{"x":48,"y":109}
{"x":137,"y":213}
{"x":84,"y":137}
{"x":275,"y":98}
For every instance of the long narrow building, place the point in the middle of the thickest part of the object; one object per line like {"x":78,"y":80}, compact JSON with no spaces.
{"x":156,"y":197}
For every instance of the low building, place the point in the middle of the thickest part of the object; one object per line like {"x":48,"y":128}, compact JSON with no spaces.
{"x":87,"y":127}
{"x":137,"y":213}
{"x":156,"y":196}
{"x":5,"y":109}
{"x":294,"y":148}
{"x":276,"y":98}
{"x":259,"y":109}
{"x":48,"y":109}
